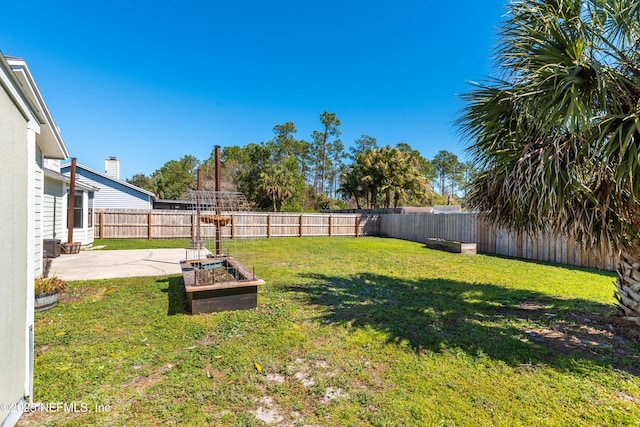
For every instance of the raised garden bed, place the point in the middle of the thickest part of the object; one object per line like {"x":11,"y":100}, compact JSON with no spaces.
{"x":219,"y":284}
{"x":451,"y":246}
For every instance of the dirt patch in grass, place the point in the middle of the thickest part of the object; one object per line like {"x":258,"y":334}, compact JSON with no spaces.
{"x":625,"y":328}
{"x":332,"y":393}
{"x":81,"y":293}
{"x":143,"y":381}
{"x":594,"y":336}
{"x":276,"y":378}
{"x":35,"y":418}
{"x":526,"y":311}
{"x":206,"y":341}
{"x":75,"y":294}
{"x":267,"y":412}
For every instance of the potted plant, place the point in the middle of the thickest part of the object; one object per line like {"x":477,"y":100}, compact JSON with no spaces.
{"x":46,"y":292}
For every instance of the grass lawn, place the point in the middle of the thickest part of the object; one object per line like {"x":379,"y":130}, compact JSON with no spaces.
{"x":348,"y":332}
{"x":118,"y":244}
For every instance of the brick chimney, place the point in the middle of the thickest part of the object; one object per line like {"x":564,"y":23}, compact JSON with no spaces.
{"x":112,"y":167}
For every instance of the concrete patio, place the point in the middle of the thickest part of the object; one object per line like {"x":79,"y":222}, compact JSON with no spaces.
{"x":96,"y":264}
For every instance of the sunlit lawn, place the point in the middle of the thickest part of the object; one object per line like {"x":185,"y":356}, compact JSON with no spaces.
{"x":119,"y":244}
{"x":348,"y":332}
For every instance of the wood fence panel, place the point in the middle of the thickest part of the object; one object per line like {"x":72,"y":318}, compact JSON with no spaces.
{"x":342,"y":225}
{"x":165,"y":224}
{"x":285,"y":225}
{"x":317,"y":225}
{"x":463,"y":227}
{"x":467,"y":227}
{"x":169,"y":225}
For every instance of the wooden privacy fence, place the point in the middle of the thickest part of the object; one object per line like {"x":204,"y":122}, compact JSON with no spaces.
{"x":469,"y":227}
{"x":462,"y":227}
{"x":163,"y":224}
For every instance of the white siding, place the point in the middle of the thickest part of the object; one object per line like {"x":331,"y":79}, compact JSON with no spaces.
{"x":53,"y":218}
{"x":39,"y":193}
{"x":14,"y":247}
{"x":52,"y":164}
{"x":112,"y":195}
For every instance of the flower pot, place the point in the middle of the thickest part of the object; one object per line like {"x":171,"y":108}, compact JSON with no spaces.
{"x":46,"y":301}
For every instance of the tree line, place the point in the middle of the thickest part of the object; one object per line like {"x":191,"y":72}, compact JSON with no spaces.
{"x":287,"y":173}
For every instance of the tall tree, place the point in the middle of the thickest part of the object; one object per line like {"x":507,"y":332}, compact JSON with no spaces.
{"x":388,"y":173}
{"x":285,"y":145}
{"x":556,"y":138}
{"x":277,"y":181}
{"x":362,"y":144}
{"x":449,"y":170}
{"x":268,"y":177}
{"x":330,"y":123}
{"x":247,"y":163}
{"x":176,"y":177}
{"x":335,"y":165}
{"x":425,"y":166}
{"x":143,"y":181}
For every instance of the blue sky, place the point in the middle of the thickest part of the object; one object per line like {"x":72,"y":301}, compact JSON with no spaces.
{"x":151,"y":81}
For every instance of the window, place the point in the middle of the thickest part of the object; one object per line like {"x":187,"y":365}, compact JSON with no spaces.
{"x":77,"y":210}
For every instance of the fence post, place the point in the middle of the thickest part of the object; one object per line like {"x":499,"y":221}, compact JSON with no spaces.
{"x":357,"y":225}
{"x":268,"y":226}
{"x":149,"y":233}
{"x":101,"y":226}
{"x":301,"y":224}
{"x":330,"y":225}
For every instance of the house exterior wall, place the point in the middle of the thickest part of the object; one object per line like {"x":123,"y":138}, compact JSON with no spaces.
{"x":27,"y":135}
{"x":112,"y":194}
{"x":38,"y":166}
{"x":53,"y":217}
{"x":52,"y":164}
{"x":14,"y":249}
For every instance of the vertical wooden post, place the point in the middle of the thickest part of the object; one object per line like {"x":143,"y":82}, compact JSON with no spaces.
{"x":519,"y":244}
{"x":357,"y":225}
{"x":330,"y":225}
{"x":101,"y":227}
{"x":198,"y":188}
{"x":233,"y":227}
{"x":149,"y":233}
{"x":216,"y":151}
{"x":193,"y":223}
{"x":268,"y":226}
{"x":301,"y":224}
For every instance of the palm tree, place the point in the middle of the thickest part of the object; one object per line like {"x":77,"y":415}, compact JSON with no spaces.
{"x":394,"y":173}
{"x":276,"y":181}
{"x":556,"y":138}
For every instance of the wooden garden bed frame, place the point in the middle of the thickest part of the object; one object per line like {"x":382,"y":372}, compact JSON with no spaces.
{"x":451,"y":246}
{"x":221,"y":296}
